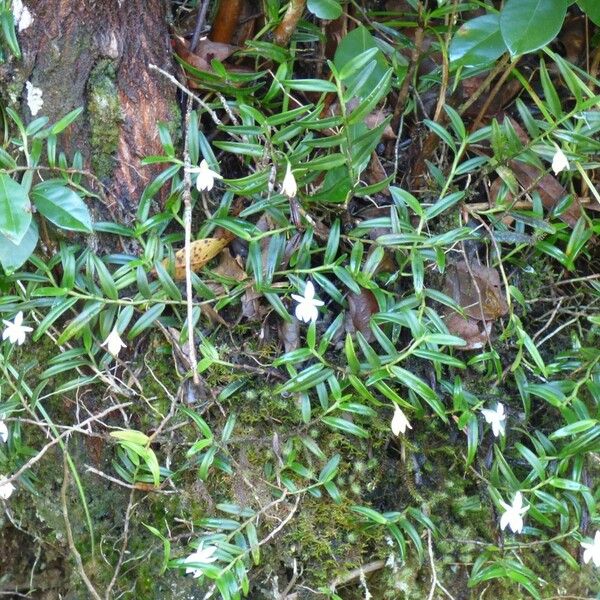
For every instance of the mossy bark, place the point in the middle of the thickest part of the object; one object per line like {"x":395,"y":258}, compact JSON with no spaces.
{"x":95,"y":54}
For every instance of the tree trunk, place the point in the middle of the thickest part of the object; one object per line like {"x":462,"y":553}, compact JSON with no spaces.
{"x":95,"y":54}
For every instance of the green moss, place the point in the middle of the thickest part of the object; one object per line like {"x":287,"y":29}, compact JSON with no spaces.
{"x":104,"y":116}
{"x":328,"y":540}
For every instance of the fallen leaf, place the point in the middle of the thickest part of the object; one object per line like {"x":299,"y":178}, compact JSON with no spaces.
{"x":205,"y":52}
{"x":201,"y":251}
{"x":289,"y":332}
{"x":550,"y":190}
{"x":476,"y":288}
{"x":473,"y":332}
{"x":212,"y":315}
{"x":251,"y":308}
{"x":387,"y":264}
{"x":361,"y":307}
{"x":230,"y":267}
{"x":375,"y":173}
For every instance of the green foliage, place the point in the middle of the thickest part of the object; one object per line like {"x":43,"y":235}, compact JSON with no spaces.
{"x":55,"y":199}
{"x":319,"y":440}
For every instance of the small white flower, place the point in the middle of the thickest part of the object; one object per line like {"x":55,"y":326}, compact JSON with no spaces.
{"x":307,"y":305}
{"x":114,"y":343}
{"x":513,"y":515}
{"x":21,"y":15}
{"x":206,"y":176}
{"x":399,"y":421}
{"x":202,"y":555}
{"x":34,"y":98}
{"x":496,"y":418}
{"x":592,"y":551}
{"x":15,"y":331}
{"x":289,"y":186}
{"x":560,"y":162}
{"x":3,"y":431}
{"x":6,"y":489}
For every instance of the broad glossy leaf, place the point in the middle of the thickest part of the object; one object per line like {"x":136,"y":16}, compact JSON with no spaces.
{"x":478,"y":42}
{"x":592,"y":9}
{"x":15,"y":209}
{"x":62,"y":206}
{"x":12,"y":256}
{"x":325,"y":9}
{"x":354,"y":43}
{"x":527,"y":25}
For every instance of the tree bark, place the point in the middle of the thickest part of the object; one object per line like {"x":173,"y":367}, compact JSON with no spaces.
{"x":95,"y":54}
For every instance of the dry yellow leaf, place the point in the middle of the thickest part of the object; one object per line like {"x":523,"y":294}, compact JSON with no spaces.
{"x":201,"y":252}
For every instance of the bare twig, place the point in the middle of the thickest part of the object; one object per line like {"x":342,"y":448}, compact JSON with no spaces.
{"x":415,"y":57}
{"x":70,"y":541}
{"x":173,"y":80}
{"x":434,"y":580}
{"x":63,"y":435}
{"x":493,"y":93}
{"x":117,"y":569}
{"x":187,"y":224}
{"x":371,"y":567}
{"x":199,"y":25}
{"x":441,"y":101}
{"x":577,"y":279}
{"x":484,"y":85}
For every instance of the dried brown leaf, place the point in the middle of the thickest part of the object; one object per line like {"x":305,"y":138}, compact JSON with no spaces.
{"x":476,"y":288}
{"x":473,"y":332}
{"x":361,"y":307}
{"x":289,"y":332}
{"x":550,"y":190}
{"x":251,"y":308}
{"x":230,"y":267}
{"x":201,"y":251}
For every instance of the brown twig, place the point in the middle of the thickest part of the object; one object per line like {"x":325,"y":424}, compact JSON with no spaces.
{"x":493,"y":94}
{"x":484,"y":85}
{"x":415,"y":57}
{"x":286,"y":28}
{"x":199,"y":25}
{"x":441,"y":101}
{"x":173,"y":80}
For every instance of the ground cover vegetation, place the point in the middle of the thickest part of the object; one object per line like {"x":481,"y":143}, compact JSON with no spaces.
{"x":344,"y":343}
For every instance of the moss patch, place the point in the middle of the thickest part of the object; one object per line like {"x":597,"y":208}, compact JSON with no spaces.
{"x":104,"y":116}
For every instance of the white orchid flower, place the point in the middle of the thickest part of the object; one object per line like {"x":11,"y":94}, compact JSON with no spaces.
{"x":513,"y":514}
{"x":114,"y":343}
{"x":560,"y":162}
{"x":6,"y":489}
{"x":496,"y":418}
{"x":306,"y":310}
{"x":202,"y":555}
{"x":206,"y":176}
{"x":289,"y":186}
{"x":399,"y":421}
{"x":592,"y":551}
{"x":15,"y":331}
{"x":3,"y":431}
